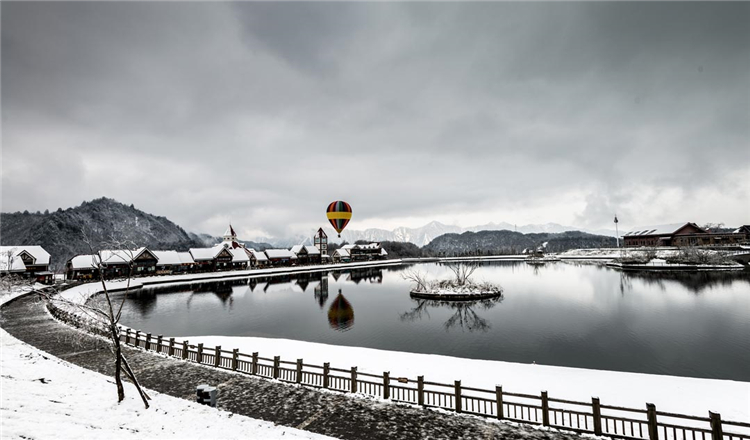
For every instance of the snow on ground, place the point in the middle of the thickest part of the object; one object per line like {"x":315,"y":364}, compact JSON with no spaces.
{"x":46,"y":397}
{"x":691,"y":396}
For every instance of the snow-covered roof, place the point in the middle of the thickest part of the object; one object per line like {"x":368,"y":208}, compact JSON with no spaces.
{"x":348,"y":246}
{"x":120,"y":255}
{"x":259,"y":256}
{"x":656,"y":229}
{"x":280,"y":253}
{"x":85,"y":262}
{"x":383,"y":252}
{"x":311,"y":250}
{"x":38,"y":253}
{"x":203,"y":254}
{"x":342,"y":252}
{"x":369,"y":246}
{"x":165,"y":258}
{"x":239,"y":255}
{"x":185,"y":257}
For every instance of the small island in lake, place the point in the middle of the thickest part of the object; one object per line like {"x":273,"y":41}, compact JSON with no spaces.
{"x":459,"y":288}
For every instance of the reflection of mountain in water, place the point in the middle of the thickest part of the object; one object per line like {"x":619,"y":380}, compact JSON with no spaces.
{"x":464,"y":315}
{"x":695,"y":282}
{"x":341,"y":313}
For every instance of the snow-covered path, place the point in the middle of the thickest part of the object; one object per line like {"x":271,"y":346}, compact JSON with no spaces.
{"x":46,"y":397}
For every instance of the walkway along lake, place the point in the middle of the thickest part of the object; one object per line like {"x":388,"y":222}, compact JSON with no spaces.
{"x":565,"y":314}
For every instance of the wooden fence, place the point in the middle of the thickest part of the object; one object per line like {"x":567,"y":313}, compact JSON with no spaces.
{"x":592,"y":417}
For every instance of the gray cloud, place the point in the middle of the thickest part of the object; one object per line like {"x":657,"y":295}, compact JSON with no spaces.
{"x":265,"y":112}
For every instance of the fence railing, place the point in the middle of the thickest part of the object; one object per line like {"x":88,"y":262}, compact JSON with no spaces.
{"x":591,"y":417}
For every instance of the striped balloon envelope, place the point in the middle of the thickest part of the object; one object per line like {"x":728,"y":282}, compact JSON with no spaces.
{"x":339,"y":213}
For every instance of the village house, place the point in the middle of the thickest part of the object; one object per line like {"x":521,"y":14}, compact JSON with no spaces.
{"x":341,"y":255}
{"x":280,"y":257}
{"x":82,"y":267}
{"x":168,"y":262}
{"x":306,"y":254}
{"x":125,"y":262}
{"x":28,"y":261}
{"x":366,"y":252}
{"x":257,"y":259}
{"x":187,"y":264}
{"x":240,"y":258}
{"x":682,"y":234}
{"x":211,"y":259}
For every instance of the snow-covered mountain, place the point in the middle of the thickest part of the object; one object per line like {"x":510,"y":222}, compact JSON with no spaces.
{"x":424,"y":235}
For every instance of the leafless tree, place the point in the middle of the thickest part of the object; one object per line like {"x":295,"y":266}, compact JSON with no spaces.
{"x":462,"y":272}
{"x":418,"y":278}
{"x":9,"y":281}
{"x":107,"y":312}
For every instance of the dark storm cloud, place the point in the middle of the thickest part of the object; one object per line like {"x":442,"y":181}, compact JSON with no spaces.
{"x":264,"y":112}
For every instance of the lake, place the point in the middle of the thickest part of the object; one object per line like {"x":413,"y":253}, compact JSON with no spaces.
{"x":567,"y":314}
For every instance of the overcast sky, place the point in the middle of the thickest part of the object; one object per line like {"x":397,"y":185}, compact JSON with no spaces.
{"x":263,"y":113}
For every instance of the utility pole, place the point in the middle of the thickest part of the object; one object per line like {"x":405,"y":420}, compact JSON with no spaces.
{"x":617,"y":231}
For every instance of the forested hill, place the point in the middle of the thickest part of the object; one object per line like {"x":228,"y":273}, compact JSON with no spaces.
{"x":60,"y":232}
{"x":507,"y":242}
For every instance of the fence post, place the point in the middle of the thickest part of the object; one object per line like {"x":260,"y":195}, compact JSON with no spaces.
{"x":653,"y":432}
{"x":597,"y":412}
{"x":171,"y":347}
{"x":137,"y":335}
{"x":185,"y":349}
{"x":457,"y":386}
{"x":159,"y":340}
{"x":420,"y":390}
{"x":199,"y":357}
{"x":276,"y":362}
{"x":217,"y":358}
{"x":255,"y":363}
{"x":299,"y":370}
{"x":326,"y":373}
{"x":545,"y":409}
{"x":127,"y":336}
{"x":235,"y":358}
{"x":354,"y":379}
{"x":717,"y":433}
{"x":386,"y":385}
{"x":499,"y":401}
{"x":148,"y":341}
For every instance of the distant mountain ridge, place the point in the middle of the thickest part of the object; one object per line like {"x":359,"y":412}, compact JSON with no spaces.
{"x":60,"y":232}
{"x":506,"y":242}
{"x":422,"y":236}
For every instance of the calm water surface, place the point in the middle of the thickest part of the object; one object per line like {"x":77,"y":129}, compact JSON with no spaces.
{"x":567,"y":314}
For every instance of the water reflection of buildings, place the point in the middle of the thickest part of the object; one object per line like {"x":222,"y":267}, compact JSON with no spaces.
{"x":341,"y":313}
{"x":695,"y":282}
{"x":464,"y":315}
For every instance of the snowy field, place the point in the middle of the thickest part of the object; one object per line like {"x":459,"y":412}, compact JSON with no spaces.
{"x":691,"y":396}
{"x":46,"y":397}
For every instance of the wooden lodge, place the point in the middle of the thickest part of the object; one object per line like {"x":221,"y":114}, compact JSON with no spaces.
{"x":306,"y":254}
{"x":280,"y":257}
{"x":257,"y":259}
{"x":212,"y":259}
{"x":366,"y":252}
{"x":341,"y":255}
{"x":683,"y":234}
{"x":82,"y":267}
{"x":27,"y":261}
{"x":125,"y":262}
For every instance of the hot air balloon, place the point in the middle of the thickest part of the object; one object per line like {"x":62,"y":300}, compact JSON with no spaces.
{"x":339,"y":213}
